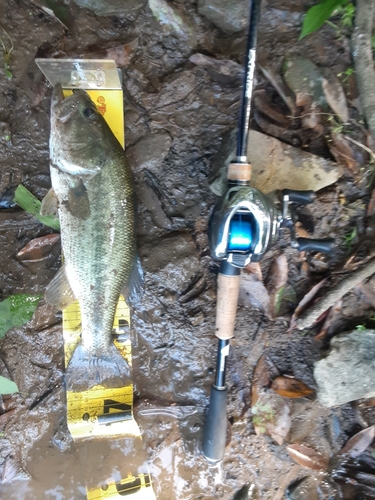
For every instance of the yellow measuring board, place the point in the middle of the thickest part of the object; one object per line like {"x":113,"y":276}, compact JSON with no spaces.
{"x":99,"y":411}
{"x":139,"y":487}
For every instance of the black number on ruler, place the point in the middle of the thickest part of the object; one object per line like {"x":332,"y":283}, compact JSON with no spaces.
{"x":129,"y":488}
{"x":115,"y":405}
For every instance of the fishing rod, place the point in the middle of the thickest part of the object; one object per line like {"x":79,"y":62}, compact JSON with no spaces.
{"x":243,"y":225}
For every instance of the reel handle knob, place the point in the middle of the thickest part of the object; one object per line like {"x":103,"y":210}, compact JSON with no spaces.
{"x":310,"y":245}
{"x":302,"y":197}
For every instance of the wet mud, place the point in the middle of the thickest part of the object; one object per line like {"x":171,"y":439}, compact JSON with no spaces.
{"x":176,"y":114}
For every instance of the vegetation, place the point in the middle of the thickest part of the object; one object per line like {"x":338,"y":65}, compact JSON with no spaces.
{"x":317,"y":15}
{"x":28,"y":202}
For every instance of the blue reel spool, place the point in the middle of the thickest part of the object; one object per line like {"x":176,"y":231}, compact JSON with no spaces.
{"x":240,"y":235}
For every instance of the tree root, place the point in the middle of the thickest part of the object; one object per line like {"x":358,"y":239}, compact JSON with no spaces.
{"x":363,"y":62}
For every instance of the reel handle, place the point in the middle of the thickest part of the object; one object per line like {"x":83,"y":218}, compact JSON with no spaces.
{"x":310,"y":245}
{"x":302,"y":197}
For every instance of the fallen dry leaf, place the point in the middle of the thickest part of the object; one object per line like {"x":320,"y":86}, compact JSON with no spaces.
{"x":38,"y":248}
{"x":290,"y":387}
{"x":332,"y":316}
{"x":254,"y":268}
{"x":371,"y":205}
{"x":276,"y":280}
{"x":335,"y":96}
{"x":261,"y":379}
{"x":305,"y":301}
{"x":254,"y":294}
{"x":5,"y":417}
{"x":343,"y":152}
{"x":359,"y":442}
{"x":307,"y":457}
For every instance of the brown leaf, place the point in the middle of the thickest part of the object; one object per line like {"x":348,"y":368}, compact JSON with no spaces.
{"x":307,"y":457}
{"x":5,"y":417}
{"x":371,"y":205}
{"x":332,"y":316}
{"x":254,"y":294}
{"x":335,"y":96}
{"x":254,"y":268}
{"x":305,"y":301}
{"x":276,"y":280}
{"x":290,"y":387}
{"x":39,"y":248}
{"x":359,"y":442}
{"x":261,"y":379}
{"x":343,"y":152}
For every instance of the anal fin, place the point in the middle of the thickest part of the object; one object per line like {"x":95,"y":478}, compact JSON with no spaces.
{"x":58,"y":292}
{"x":133,"y":289}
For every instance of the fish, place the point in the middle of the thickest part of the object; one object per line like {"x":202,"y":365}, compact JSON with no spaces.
{"x":92,"y":192}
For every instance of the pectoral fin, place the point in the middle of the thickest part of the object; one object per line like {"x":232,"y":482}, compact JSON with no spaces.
{"x":133,"y":289}
{"x":78,"y":201}
{"x":59,"y":293}
{"x":50,"y":204}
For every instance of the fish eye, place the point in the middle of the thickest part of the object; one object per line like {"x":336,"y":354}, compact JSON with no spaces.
{"x":88,"y":112}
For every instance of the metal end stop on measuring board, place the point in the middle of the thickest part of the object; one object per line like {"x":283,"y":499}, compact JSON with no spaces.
{"x":214,"y":437}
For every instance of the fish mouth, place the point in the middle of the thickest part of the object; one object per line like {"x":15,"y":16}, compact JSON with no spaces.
{"x":63,"y":108}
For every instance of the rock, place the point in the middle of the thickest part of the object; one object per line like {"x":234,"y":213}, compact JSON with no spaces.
{"x":276,"y":165}
{"x":172,"y":22}
{"x":149,"y":152}
{"x":347,"y":373}
{"x":231,"y":16}
{"x":174,"y":261}
{"x":108,"y":7}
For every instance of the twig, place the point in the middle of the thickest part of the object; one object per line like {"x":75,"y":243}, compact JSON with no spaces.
{"x":308,"y":319}
{"x":363,"y":63}
{"x":369,"y":151}
{"x":272,"y":79}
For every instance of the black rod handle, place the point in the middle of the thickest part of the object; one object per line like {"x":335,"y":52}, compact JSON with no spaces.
{"x":215,"y":430}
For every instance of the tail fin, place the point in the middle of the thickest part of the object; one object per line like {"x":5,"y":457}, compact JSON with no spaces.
{"x":106,"y":368}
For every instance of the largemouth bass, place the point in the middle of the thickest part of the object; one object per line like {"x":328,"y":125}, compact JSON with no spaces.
{"x":92,"y":187}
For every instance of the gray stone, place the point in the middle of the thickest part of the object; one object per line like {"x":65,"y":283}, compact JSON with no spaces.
{"x":348,"y":372}
{"x":230,"y":16}
{"x":149,"y":152}
{"x":172,"y":21}
{"x":108,"y":7}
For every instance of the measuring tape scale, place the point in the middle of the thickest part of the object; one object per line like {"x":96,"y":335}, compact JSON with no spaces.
{"x":100,"y":412}
{"x":138,"y":487}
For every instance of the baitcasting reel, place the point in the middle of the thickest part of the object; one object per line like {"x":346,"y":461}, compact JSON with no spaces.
{"x":245,"y":222}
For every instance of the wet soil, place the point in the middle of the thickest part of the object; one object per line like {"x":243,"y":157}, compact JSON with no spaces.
{"x":176,"y":116}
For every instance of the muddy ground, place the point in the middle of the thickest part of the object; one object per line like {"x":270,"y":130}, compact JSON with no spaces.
{"x":177,"y":114}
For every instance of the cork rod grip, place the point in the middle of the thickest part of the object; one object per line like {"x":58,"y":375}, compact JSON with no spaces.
{"x":228,"y":288}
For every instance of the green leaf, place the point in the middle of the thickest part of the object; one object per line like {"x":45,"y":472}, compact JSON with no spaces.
{"x":278,"y":299}
{"x":317,"y":15}
{"x":7,"y":386}
{"x":28,"y":202}
{"x":17,"y":310}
